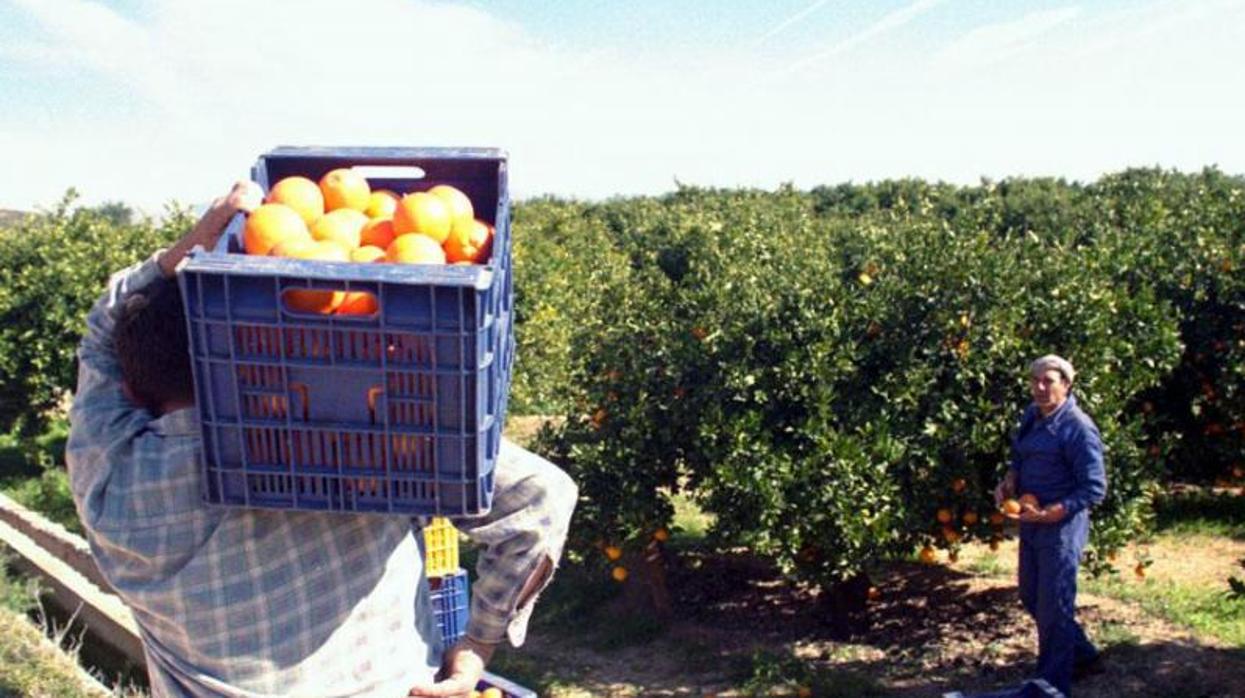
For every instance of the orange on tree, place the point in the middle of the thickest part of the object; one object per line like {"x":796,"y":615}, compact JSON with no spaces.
{"x":661,"y":535}
{"x":613,"y":552}
{"x":378,"y":232}
{"x":271,"y":224}
{"x":874,"y":594}
{"x":381,"y":204}
{"x":300,"y":194}
{"x":469,"y":242}
{"x":345,"y":225}
{"x":458,"y":203}
{"x":619,"y":574}
{"x":345,"y":188}
{"x":927,"y":555}
{"x":958,"y":485}
{"x":415,"y":249}
{"x":970,"y":518}
{"x":315,"y":301}
{"x":944,"y":516}
{"x":951,"y":535}
{"x":422,"y":212}
{"x":1011,"y":507}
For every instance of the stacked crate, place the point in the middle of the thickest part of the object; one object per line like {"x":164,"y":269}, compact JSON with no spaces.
{"x":447,"y":582}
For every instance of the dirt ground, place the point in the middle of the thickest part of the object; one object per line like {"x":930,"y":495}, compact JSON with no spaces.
{"x":934,"y":629}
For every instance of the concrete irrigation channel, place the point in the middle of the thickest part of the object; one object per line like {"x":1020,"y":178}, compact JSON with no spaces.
{"x":62,"y":562}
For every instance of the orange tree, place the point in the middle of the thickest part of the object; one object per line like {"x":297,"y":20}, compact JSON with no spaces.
{"x":53,"y":266}
{"x":827,"y":373}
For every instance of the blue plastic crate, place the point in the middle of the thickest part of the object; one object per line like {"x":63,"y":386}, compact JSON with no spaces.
{"x":509,"y":689}
{"x":399,"y":412}
{"x":451,"y":605}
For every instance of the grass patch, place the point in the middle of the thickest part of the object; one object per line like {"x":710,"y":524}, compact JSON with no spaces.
{"x":1201,"y":512}
{"x":691,"y":523}
{"x":988,"y":565}
{"x":773,"y":674}
{"x":1205,"y":611}
{"x":1115,"y":634}
{"x":29,"y":664}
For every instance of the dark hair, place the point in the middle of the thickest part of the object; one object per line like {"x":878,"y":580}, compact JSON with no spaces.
{"x":152,"y":348}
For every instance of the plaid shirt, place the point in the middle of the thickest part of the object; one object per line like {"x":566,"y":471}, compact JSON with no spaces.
{"x":238,"y":602}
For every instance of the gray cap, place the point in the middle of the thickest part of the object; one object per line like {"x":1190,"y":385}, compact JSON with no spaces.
{"x":1050,"y":361}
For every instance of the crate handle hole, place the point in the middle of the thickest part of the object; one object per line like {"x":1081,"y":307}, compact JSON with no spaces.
{"x":390,"y":171}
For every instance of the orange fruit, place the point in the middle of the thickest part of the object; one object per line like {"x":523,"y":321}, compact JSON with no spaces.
{"x":613,"y":552}
{"x":804,"y":692}
{"x":958,"y":485}
{"x":619,"y":574}
{"x":415,"y":249}
{"x":970,"y":518}
{"x":300,"y":194}
{"x":469,"y":242}
{"x":270,"y":224}
{"x":366,"y":254}
{"x":422,"y":212}
{"x":361,"y":302}
{"x":381,"y":204}
{"x":377,"y":232}
{"x":927,"y":555}
{"x":944,"y":516}
{"x":491,"y":692}
{"x":345,"y":188}
{"x":661,"y":535}
{"x":1140,"y":570}
{"x":316,"y":301}
{"x":874,"y":594}
{"x":345,"y":225}
{"x":285,"y":248}
{"x":458,"y":203}
{"x":1011,"y":507}
{"x":950,"y":535}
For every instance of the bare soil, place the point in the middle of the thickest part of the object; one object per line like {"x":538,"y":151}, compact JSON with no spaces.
{"x":935,"y":628}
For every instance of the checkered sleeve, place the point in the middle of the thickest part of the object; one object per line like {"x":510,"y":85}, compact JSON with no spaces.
{"x":101,"y":414}
{"x":532,"y":505}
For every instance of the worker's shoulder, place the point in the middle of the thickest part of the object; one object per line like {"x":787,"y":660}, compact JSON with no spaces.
{"x":512,"y":453}
{"x":1077,"y":421}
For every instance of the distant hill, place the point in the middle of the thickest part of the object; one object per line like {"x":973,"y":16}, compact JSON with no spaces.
{"x":8,"y":217}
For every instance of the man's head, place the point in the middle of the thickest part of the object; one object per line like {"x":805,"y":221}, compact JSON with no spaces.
{"x":1050,"y":379}
{"x":153,"y":350}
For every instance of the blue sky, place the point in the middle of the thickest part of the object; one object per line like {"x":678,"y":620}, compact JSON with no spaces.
{"x":148,"y":102}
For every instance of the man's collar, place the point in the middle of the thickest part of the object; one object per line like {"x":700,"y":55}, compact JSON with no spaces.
{"x":1052,"y":420}
{"x":183,"y":422}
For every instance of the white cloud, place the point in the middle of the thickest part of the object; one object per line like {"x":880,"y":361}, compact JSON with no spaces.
{"x":992,"y":43}
{"x":194,"y":91}
{"x":790,"y":20}
{"x":889,"y":22}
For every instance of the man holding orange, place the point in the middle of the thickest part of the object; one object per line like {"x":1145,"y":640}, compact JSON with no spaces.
{"x":1057,"y":457}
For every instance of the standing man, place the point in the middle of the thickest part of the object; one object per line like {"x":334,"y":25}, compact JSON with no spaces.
{"x":1057,"y":457}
